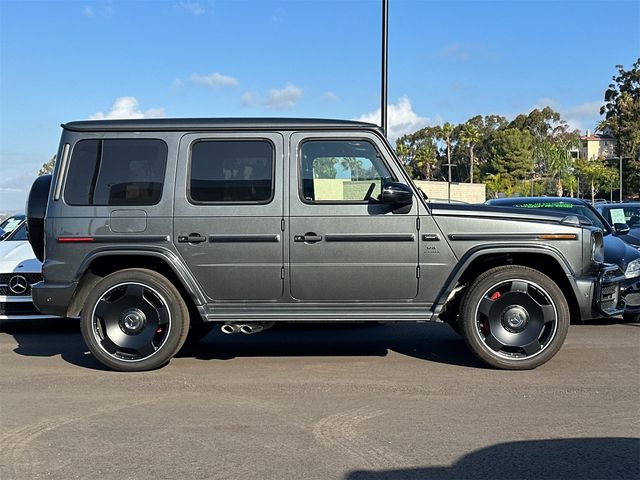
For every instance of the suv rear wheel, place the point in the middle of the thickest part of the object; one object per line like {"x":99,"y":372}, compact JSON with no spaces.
{"x":134,"y":320}
{"x":514,"y":317}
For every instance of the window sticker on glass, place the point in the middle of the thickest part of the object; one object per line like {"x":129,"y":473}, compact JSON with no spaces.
{"x":11,"y":225}
{"x":617,"y":215}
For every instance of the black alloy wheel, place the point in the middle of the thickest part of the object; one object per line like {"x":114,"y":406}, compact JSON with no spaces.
{"x":514,"y":317}
{"x":134,"y":320}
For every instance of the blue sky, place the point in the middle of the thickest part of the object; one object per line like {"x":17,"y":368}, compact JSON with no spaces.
{"x":448,"y":60}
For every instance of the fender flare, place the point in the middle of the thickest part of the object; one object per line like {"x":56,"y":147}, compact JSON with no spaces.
{"x":477,"y":252}
{"x":166,"y":255}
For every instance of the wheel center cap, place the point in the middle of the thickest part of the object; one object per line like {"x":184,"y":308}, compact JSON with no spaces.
{"x":132,"y":321}
{"x":515,"y":318}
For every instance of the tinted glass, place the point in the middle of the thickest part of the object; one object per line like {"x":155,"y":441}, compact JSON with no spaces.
{"x":565,"y":207}
{"x":624,"y":214}
{"x":231,"y":171}
{"x":341,"y":171}
{"x":10,"y":224}
{"x":19,"y":234}
{"x":116,"y":172}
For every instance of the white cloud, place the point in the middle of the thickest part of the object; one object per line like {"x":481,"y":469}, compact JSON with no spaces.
{"x":248,"y":99}
{"x":330,"y":96}
{"x":194,"y":8}
{"x":458,"y":51}
{"x":579,"y":117}
{"x":105,"y":10}
{"x":401,"y":118}
{"x":284,"y":97}
{"x":128,"y":108}
{"x":14,"y":189}
{"x":213,"y":80}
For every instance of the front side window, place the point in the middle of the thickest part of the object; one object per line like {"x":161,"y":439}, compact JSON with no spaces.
{"x":341,"y":171}
{"x":116,"y":172}
{"x":233,"y":171}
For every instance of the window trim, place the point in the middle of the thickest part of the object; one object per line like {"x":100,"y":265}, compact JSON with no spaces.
{"x":337,"y":139}
{"x":100,"y":139}
{"x":269,"y":200}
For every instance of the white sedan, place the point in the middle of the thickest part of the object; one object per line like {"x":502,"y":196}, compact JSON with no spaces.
{"x":19,"y":269}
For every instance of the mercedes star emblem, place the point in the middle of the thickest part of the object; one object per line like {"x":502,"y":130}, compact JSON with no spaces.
{"x":18,"y":284}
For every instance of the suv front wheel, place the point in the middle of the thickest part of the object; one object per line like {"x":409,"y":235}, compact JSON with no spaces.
{"x":514,"y":317}
{"x":134,"y":320}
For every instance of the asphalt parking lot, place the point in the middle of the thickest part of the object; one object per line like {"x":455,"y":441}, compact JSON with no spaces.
{"x":348,"y":402}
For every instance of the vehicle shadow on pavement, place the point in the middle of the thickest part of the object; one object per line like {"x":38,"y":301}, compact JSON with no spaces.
{"x":426,"y":341}
{"x":50,"y":337}
{"x":571,"y":458}
{"x":431,"y":342}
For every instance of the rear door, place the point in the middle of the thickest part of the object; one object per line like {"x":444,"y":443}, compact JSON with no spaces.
{"x":344,"y":244}
{"x":228,"y":213}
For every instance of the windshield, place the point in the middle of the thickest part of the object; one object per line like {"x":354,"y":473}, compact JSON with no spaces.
{"x":565,"y":207}
{"x":19,"y":234}
{"x":624,"y":214}
{"x":9,"y":225}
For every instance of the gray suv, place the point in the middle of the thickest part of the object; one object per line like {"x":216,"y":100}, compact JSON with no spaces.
{"x":154,"y":231}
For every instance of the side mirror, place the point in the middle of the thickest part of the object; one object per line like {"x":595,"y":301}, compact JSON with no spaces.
{"x":397,"y":194}
{"x":621,"y":228}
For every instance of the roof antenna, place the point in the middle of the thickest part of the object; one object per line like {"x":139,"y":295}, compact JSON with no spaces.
{"x":385,"y":49}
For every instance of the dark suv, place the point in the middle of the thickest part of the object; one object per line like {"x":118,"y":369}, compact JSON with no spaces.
{"x":155,"y":230}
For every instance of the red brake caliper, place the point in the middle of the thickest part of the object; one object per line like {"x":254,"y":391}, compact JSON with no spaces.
{"x":484,"y":323}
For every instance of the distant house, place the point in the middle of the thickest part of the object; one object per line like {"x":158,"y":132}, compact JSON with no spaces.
{"x":594,"y":145}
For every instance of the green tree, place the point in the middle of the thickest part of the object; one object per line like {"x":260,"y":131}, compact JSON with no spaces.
{"x":325,"y":167}
{"x":418,"y":153}
{"x":512,"y":153}
{"x":622,"y":118}
{"x":446,"y":134}
{"x":470,"y":136}
{"x":597,"y":174}
{"x":47,"y":167}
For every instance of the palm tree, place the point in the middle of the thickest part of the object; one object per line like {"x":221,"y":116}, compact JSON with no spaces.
{"x":444,"y":133}
{"x":471,"y":136}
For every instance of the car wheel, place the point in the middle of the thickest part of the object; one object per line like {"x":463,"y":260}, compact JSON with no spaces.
{"x":514,"y":318}
{"x":134,"y":320}
{"x":631,"y":317}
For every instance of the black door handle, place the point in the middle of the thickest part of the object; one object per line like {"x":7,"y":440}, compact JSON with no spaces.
{"x":308,"y":237}
{"x":192,"y":238}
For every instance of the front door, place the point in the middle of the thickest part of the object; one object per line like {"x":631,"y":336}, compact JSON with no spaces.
{"x":229,"y":211}
{"x":345,"y":244}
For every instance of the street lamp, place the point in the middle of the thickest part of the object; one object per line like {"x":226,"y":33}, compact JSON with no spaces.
{"x":385,"y":51}
{"x":449,"y":165}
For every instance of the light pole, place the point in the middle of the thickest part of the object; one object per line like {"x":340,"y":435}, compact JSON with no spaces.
{"x":620,"y":178}
{"x":385,"y":50}
{"x":449,"y":165}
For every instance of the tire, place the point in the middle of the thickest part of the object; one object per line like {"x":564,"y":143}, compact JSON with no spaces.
{"x":631,"y":317}
{"x":514,"y":318}
{"x":36,"y":209}
{"x":134,"y":320}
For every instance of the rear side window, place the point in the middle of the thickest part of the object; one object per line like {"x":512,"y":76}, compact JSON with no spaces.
{"x":116,"y":172}
{"x":234,"y":171}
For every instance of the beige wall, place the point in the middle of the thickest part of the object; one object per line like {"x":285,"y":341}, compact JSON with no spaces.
{"x":339,"y":189}
{"x":465,"y":192}
{"x":597,"y":148}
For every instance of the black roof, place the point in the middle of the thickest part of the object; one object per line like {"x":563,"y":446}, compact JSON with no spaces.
{"x":204,"y":124}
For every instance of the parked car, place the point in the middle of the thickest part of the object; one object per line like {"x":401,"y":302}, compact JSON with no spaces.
{"x":622,"y":214}
{"x":149,"y":228}
{"x":9,"y":224}
{"x":19,"y":270}
{"x":616,"y":250}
